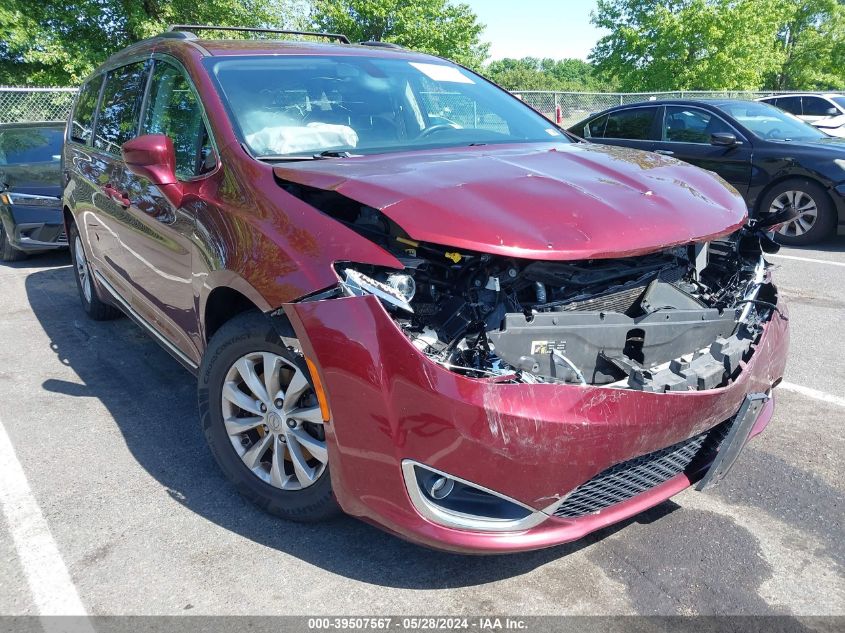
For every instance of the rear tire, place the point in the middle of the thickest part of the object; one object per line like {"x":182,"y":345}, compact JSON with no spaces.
{"x":818,"y":219}
{"x":256,"y":444}
{"x":94,"y":307}
{"x":8,"y":253}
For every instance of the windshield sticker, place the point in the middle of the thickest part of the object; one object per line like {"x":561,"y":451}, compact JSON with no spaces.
{"x":552,"y":132}
{"x":439,"y":72}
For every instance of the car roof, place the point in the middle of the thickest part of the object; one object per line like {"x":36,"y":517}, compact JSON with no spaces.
{"x":231,"y":47}
{"x":804,"y":94}
{"x":662,"y":102}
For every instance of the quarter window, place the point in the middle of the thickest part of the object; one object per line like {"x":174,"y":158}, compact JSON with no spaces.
{"x":174,"y":111}
{"x":595,"y":128}
{"x":691,"y":125}
{"x":634,"y":124}
{"x":82,"y":121}
{"x":117,"y":121}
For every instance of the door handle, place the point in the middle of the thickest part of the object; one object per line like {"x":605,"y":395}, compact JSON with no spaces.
{"x":118,"y":196}
{"x":665,"y":152}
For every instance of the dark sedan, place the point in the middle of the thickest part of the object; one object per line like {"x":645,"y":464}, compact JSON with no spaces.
{"x":772,"y":158}
{"x":30,"y":189}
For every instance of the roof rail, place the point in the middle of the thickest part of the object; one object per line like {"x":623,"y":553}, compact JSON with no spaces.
{"x":192,"y":28}
{"x":381,"y":44}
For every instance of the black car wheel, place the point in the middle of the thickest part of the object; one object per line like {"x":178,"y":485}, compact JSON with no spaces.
{"x":94,"y":307}
{"x":262,"y":420}
{"x":8,"y":253}
{"x":817,"y":219}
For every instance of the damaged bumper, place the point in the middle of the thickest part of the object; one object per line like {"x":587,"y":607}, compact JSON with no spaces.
{"x":548,"y":452}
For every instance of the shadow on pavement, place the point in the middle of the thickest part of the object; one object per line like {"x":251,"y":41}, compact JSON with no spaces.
{"x":153,"y":402}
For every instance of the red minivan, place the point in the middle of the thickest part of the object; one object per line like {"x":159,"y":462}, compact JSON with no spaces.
{"x":408,"y":296}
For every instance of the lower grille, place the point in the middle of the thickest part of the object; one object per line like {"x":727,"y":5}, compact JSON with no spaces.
{"x":62,"y":238}
{"x":635,"y":476}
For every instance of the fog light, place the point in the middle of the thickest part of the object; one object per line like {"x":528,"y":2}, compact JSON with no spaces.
{"x":441,"y":487}
{"x":456,"y":503}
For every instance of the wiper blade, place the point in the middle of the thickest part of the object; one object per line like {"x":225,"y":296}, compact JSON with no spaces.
{"x":333,"y":153}
{"x":284,"y":158}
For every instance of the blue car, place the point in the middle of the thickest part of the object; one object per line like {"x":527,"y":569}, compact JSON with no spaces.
{"x":30,"y":189}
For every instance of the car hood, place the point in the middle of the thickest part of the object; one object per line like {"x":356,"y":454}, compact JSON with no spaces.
{"x":42,"y":179}
{"x":538,"y":201}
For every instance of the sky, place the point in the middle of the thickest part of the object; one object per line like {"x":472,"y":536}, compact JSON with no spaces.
{"x":537,"y":28}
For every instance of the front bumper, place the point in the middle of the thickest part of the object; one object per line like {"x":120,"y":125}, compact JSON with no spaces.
{"x":34,"y":229}
{"x":532,"y":443}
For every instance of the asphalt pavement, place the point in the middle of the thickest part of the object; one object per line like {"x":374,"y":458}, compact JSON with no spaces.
{"x":106,"y":474}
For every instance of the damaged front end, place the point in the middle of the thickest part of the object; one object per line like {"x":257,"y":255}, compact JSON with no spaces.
{"x":482,"y":402}
{"x":682,"y":319}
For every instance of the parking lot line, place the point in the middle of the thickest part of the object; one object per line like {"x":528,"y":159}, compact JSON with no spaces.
{"x":811,"y":260}
{"x":48,"y":578}
{"x":812,"y":393}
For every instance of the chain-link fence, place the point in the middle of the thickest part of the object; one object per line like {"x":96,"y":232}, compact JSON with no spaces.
{"x":35,"y":104}
{"x":567,"y":108}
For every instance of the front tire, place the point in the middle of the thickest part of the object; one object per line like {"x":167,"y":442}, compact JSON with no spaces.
{"x":262,"y":421}
{"x":95,"y":308}
{"x":8,"y":253}
{"x":818,"y":217}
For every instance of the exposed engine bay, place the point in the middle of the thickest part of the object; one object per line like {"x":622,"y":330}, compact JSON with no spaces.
{"x":685,"y":318}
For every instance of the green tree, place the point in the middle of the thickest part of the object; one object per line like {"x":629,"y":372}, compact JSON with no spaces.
{"x":431,"y":26}
{"x":530,"y":73}
{"x":813,"y":41}
{"x":690,"y":44}
{"x":58,"y":42}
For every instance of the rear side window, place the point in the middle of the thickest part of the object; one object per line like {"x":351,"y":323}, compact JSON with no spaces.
{"x":82,"y":121}
{"x":790,"y":104}
{"x":118,"y":118}
{"x":30,"y":145}
{"x":632,"y":124}
{"x":174,"y":111}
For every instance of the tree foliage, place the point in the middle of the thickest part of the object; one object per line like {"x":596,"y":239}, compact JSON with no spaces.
{"x":721,"y":44}
{"x":438,"y":27}
{"x":58,"y":42}
{"x":530,"y":73}
{"x":813,"y":41}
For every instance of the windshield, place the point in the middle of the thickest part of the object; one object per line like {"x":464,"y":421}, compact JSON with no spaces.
{"x":299,"y":106}
{"x":840,"y":101}
{"x":30,"y":145}
{"x":769,"y":122}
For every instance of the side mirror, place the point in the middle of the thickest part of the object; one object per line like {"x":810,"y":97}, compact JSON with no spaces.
{"x":725,"y":139}
{"x":152,"y":156}
{"x":832,"y":112}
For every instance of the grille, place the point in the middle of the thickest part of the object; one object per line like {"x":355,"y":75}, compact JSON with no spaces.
{"x":635,"y":476}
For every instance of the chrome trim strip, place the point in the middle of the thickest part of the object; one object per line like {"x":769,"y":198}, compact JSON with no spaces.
{"x":179,"y":354}
{"x":459,"y":520}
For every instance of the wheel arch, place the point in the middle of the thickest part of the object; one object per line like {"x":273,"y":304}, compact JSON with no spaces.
{"x":225,"y":296}
{"x":786,"y":177}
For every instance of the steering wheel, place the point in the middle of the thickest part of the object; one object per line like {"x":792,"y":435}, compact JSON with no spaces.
{"x":435,"y":128}
{"x":773,"y":133}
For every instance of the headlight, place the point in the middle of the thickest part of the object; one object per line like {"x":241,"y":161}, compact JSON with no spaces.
{"x":28,"y":200}
{"x":396,"y":293}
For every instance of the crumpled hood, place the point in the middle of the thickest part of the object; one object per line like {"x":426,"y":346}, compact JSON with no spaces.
{"x":537,"y":201}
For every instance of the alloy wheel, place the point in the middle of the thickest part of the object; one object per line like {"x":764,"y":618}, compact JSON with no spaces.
{"x":273,"y":420}
{"x":804,"y":204}
{"x":82,"y":269}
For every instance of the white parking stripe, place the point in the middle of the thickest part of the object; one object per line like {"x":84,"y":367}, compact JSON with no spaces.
{"x":48,"y":578}
{"x":815,"y":394}
{"x":807,"y":259}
